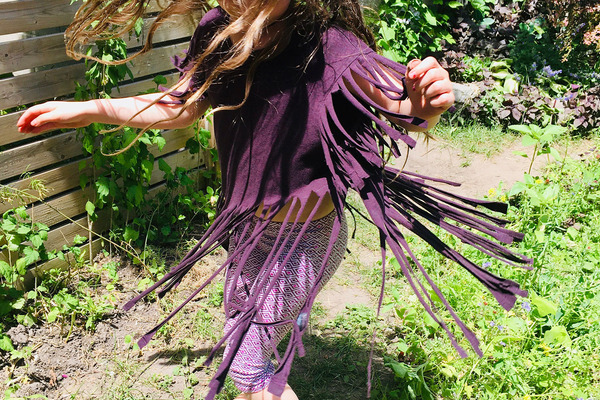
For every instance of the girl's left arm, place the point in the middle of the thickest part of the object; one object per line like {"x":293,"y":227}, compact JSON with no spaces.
{"x":429,"y":93}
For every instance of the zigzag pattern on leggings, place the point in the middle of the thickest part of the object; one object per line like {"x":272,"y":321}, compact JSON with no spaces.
{"x":252,"y":368}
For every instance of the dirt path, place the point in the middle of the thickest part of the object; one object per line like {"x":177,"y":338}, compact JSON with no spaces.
{"x":100,"y":366}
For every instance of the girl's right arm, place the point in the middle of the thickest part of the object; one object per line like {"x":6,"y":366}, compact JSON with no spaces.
{"x":67,"y":114}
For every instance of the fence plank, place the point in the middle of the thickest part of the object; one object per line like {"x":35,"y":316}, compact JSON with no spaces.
{"x":14,"y":162}
{"x":8,"y":123}
{"x":37,"y":86}
{"x":31,"y":15}
{"x":34,"y":52}
{"x":8,"y":128}
{"x":35,"y":155}
{"x":136,"y":88}
{"x":71,"y":205}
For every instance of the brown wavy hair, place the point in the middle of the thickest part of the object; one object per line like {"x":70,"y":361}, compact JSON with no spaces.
{"x":105,"y":19}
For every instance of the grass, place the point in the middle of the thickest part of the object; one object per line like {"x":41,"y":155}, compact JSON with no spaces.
{"x":473,"y":138}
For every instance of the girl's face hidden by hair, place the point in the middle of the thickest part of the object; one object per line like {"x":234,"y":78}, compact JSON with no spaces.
{"x":236,"y":8}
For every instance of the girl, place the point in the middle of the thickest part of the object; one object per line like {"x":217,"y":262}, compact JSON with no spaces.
{"x":301,"y":104}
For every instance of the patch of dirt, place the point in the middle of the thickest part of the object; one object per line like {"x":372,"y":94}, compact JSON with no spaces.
{"x":478,"y":173}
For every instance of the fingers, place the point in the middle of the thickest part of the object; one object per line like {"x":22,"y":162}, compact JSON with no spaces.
{"x":418,"y":68}
{"x":431,"y":81}
{"x":42,"y":118}
{"x":29,"y":119}
{"x":41,"y":129}
{"x":445,"y":100}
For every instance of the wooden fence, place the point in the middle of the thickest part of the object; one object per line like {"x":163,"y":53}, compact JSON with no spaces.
{"x":35,"y":68}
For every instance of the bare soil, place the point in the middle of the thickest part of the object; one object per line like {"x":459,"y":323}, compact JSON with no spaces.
{"x":100,"y":365}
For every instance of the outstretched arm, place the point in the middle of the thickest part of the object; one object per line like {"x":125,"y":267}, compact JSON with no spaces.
{"x":429,"y":93}
{"x":68,"y":114}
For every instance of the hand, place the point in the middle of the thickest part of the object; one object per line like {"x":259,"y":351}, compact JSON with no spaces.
{"x":53,"y":115}
{"x":429,"y":88}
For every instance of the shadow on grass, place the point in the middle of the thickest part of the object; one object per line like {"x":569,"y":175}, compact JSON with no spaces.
{"x":335,"y":368}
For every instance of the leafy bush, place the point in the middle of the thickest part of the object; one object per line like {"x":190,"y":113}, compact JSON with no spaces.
{"x":577,"y":26}
{"x":410,"y":29}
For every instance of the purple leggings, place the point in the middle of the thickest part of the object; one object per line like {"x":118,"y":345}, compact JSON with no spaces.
{"x":252,"y":368}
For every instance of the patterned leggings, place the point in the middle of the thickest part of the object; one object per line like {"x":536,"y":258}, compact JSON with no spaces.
{"x":252,"y":368}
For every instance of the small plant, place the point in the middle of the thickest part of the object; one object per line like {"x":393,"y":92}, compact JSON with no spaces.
{"x":540,"y":138}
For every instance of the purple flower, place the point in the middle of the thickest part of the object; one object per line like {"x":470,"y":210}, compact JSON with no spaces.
{"x":549,"y":72}
{"x":502,"y":344}
{"x":500,"y":327}
{"x":487,"y":264}
{"x":568,"y":97}
{"x":492,"y":323}
{"x":534,"y":66}
{"x":526,"y":306}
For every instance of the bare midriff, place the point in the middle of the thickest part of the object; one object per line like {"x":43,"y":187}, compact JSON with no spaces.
{"x":323,"y":209}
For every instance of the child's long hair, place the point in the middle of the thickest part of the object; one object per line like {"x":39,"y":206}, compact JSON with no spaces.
{"x":103,"y":19}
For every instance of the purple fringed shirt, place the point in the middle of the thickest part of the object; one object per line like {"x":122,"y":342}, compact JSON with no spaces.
{"x":302,"y":131}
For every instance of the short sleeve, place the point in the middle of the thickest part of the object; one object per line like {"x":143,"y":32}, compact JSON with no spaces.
{"x":207,"y":28}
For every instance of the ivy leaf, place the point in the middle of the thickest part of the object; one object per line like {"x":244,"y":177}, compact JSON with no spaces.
{"x":130,"y":234}
{"x":8,"y":225}
{"x":160,"y":80}
{"x":82,"y":165}
{"x":24,"y":230}
{"x":159,"y":141}
{"x":5,"y":270}
{"x":147,"y":167}
{"x":30,"y":255}
{"x":163,"y":166}
{"x":103,"y":187}
{"x":192,"y":145}
{"x":135,"y":194}
{"x":430,"y":18}
{"x":544,"y":306}
{"x":90,"y":208}
{"x":557,"y":335}
{"x":52,"y":315}
{"x":6,"y":343}
{"x":37,"y":241}
{"x":42,"y":227}
{"x":83,"y":181}
{"x":454,"y":4}
{"x":22,"y":212}
{"x":19,"y":304}
{"x":43,"y":234}
{"x":78,"y":239}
